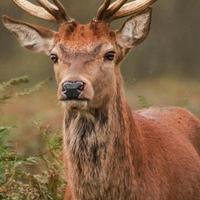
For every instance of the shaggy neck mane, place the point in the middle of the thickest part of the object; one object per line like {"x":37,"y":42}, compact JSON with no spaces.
{"x":98,"y":145}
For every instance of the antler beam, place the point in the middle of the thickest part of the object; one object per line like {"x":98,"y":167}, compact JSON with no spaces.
{"x":116,"y":6}
{"x":120,"y":9}
{"x":34,"y":10}
{"x":102,"y":10}
{"x":46,"y":10}
{"x":132,"y":8}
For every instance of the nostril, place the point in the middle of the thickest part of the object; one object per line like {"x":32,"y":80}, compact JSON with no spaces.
{"x":63,"y":88}
{"x":73,"y":85}
{"x":81,"y":86}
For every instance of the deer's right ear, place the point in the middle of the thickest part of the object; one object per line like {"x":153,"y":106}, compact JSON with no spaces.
{"x":35,"y":38}
{"x":134,"y":30}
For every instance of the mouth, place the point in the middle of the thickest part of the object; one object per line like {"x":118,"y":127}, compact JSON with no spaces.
{"x":74,"y":100}
{"x":75,"y":104}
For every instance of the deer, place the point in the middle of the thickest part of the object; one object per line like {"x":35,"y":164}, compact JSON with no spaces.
{"x":111,"y":152}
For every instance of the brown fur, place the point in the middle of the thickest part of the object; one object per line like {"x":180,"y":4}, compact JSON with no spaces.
{"x":83,"y":34}
{"x":150,"y":155}
{"x":111,"y":153}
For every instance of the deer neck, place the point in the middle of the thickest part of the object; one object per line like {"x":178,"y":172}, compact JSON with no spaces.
{"x":101,"y":150}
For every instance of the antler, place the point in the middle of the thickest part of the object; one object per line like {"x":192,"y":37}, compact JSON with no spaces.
{"x":103,"y":9}
{"x":46,"y":10}
{"x":119,"y":9}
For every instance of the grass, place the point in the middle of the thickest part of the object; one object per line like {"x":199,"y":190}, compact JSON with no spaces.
{"x":29,"y":176}
{"x":31,"y":166}
{"x":17,"y":178}
{"x":165,"y":91}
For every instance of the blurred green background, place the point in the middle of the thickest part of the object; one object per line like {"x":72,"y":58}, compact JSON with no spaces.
{"x":172,"y":48}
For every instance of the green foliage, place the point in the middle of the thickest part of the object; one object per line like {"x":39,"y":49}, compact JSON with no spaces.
{"x":143,"y":102}
{"x":17,"y":182}
{"x":14,"y":82}
{"x":29,"y":177}
{"x":10,"y":89}
{"x":35,"y":88}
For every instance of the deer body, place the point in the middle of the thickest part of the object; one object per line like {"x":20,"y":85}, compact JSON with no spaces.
{"x":148,"y":155}
{"x":110,"y":152}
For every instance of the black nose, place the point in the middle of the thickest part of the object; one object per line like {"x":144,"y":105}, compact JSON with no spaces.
{"x":72,"y":89}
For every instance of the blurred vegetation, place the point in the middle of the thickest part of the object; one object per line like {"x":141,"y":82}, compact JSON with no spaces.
{"x":8,"y":89}
{"x":18,"y":182}
{"x":31,"y":166}
{"x":17,"y":179}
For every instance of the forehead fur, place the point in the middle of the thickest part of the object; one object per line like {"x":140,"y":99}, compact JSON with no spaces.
{"x":75,"y":34}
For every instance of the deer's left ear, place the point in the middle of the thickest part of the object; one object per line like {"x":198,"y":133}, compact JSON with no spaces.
{"x":134,"y":30}
{"x":32,"y":37}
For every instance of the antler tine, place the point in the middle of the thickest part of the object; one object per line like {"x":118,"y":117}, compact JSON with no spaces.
{"x":119,"y":9}
{"x":132,"y":8}
{"x":47,"y":10}
{"x":114,"y":7}
{"x":34,"y":10}
{"x":62,"y":10}
{"x":57,"y":10}
{"x":102,"y":10}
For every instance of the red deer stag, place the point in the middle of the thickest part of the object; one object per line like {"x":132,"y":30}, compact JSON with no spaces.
{"x":111,"y":153}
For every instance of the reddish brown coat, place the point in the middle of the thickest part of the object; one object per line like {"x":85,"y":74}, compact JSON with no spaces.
{"x":151,"y":154}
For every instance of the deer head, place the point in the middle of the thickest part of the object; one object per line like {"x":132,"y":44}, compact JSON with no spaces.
{"x":86,"y":57}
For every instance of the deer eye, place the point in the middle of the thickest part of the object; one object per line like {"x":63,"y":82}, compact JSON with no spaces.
{"x":110,"y":55}
{"x":54,"y":58}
